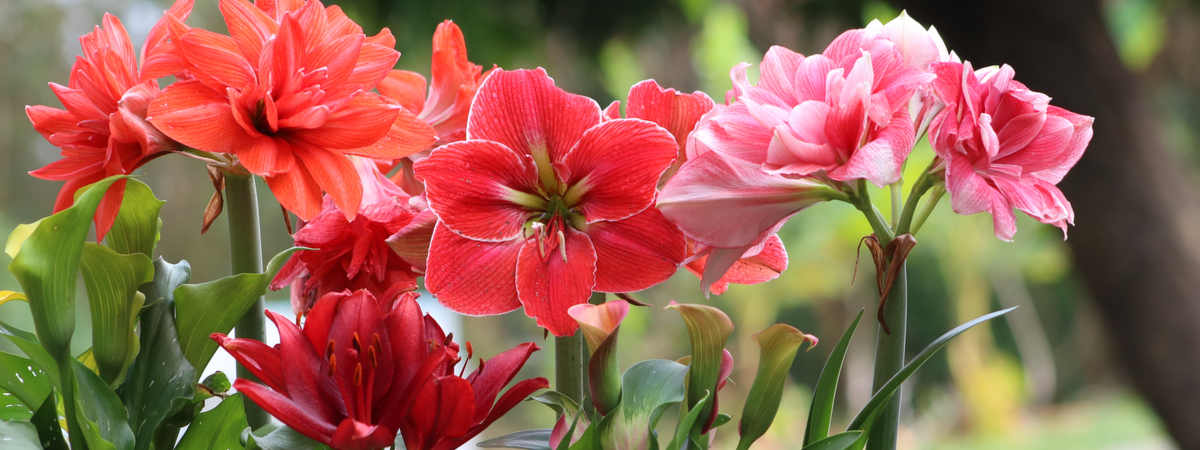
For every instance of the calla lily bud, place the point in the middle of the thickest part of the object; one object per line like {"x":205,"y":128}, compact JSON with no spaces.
{"x":778,"y":345}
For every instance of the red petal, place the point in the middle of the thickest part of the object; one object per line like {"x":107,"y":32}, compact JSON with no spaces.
{"x":636,"y":253}
{"x":406,"y":88}
{"x":472,"y":277}
{"x":444,"y":409}
{"x":490,"y":378}
{"x":355,"y":435}
{"x":307,"y":375}
{"x":262,"y":360}
{"x":266,"y":156}
{"x":551,"y":282}
{"x":614,"y":169}
{"x":523,"y":110}
{"x":198,"y":117}
{"x":406,"y":136}
{"x":406,"y":334}
{"x":412,"y":241}
{"x":110,"y":205}
{"x":297,"y":191}
{"x":217,"y":56}
{"x":358,"y":324}
{"x":677,"y":112}
{"x":508,"y":401}
{"x":287,"y":411}
{"x":335,"y":174}
{"x":450,"y":68}
{"x":475,"y":187}
{"x":47,"y":120}
{"x":249,"y":26}
{"x":69,"y":168}
{"x":374,"y":63}
{"x":361,"y":122}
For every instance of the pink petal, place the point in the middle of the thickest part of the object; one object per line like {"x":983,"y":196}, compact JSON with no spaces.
{"x":472,"y":277}
{"x":882,"y":158}
{"x":778,"y":72}
{"x":731,"y":131}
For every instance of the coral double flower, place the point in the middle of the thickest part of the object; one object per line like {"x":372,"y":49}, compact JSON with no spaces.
{"x":545,"y":203}
{"x":289,"y":93}
{"x":361,"y":370}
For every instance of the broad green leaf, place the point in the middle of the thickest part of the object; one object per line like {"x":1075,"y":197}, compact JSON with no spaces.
{"x":708,"y":329}
{"x":28,"y":343}
{"x":527,"y":440}
{"x":685,"y":425}
{"x":112,"y":281}
{"x":18,"y":435}
{"x":136,"y":228}
{"x":11,"y":409}
{"x":885,"y":392}
{"x":88,"y":360}
{"x":47,"y":266}
{"x":49,"y":429}
{"x":102,"y":418}
{"x":588,"y":440}
{"x":7,"y":296}
{"x":161,"y":381}
{"x":840,"y":441}
{"x":21,"y":379}
{"x":777,"y":350}
{"x":559,"y":402}
{"x":214,"y":307}
{"x":283,"y":438}
{"x":218,"y":429}
{"x":820,"y":413}
{"x":648,"y":389}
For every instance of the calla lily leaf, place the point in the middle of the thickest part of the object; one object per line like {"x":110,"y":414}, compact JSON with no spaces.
{"x":538,"y":439}
{"x":648,"y":389}
{"x":18,"y":435}
{"x":681,"y":431}
{"x":8,"y":296}
{"x":136,"y":228}
{"x":102,"y":417}
{"x":49,"y":429}
{"x":163,"y":377}
{"x":28,"y":343}
{"x":112,"y":280}
{"x":218,"y":429}
{"x":778,"y":346}
{"x":709,"y":329}
{"x":283,"y":438}
{"x":840,"y":441}
{"x":821,"y":411}
{"x":214,"y":307}
{"x":25,"y":381}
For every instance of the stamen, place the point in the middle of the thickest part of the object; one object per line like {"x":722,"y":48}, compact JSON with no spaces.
{"x":373,"y":356}
{"x":562,"y":245}
{"x":332,"y":364}
{"x":358,"y":375}
{"x":378,"y":343}
{"x":329,"y":349}
{"x":355,"y":342}
{"x":449,"y":339}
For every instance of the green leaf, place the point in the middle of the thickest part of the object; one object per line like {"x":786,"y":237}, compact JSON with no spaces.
{"x":49,"y":429}
{"x":885,"y":392}
{"x":18,"y":435}
{"x":820,"y":413}
{"x":685,"y":425}
{"x":28,"y":343}
{"x":777,"y":350}
{"x":722,"y":419}
{"x":47,"y":266}
{"x":214,"y":307}
{"x":218,"y":429}
{"x":112,"y":280}
{"x":21,"y":379}
{"x":840,"y":441}
{"x":527,"y":440}
{"x":18,"y":237}
{"x":161,"y":381}
{"x":648,"y":389}
{"x":559,"y":402}
{"x":283,"y":438}
{"x":708,"y":329}
{"x":604,"y":375}
{"x":136,"y":228}
{"x":102,"y":418}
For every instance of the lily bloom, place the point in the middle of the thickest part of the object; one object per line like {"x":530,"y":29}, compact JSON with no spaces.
{"x":545,"y":203}
{"x":352,"y":254}
{"x":1004,"y":146}
{"x":288,"y":93}
{"x":679,"y":113}
{"x":103,"y":130}
{"x":359,"y":370}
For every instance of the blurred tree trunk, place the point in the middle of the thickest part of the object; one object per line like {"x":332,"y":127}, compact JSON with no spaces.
{"x":1137,"y":243}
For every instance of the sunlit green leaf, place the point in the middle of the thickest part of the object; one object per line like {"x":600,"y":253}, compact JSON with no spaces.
{"x":112,"y":280}
{"x":163,"y":378}
{"x":101,"y":415}
{"x":527,"y":440}
{"x":820,"y":413}
{"x":218,"y":429}
{"x":778,"y":346}
{"x":648,"y":389}
{"x":214,"y":307}
{"x":135,"y":229}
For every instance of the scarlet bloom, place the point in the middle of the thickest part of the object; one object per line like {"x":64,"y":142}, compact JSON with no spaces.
{"x":360,"y":371}
{"x":545,"y":203}
{"x":1004,"y":146}
{"x":103,"y":130}
{"x":352,"y":254}
{"x":288,"y":93}
{"x":679,"y":113}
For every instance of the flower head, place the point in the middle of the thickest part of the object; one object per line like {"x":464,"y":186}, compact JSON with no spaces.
{"x":353,"y":254}
{"x":1004,"y":146}
{"x":103,"y":130}
{"x":545,"y":203}
{"x":288,"y":93}
{"x":360,"y":371}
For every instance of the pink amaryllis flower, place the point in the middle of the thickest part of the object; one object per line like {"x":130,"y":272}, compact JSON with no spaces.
{"x":1004,"y":146}
{"x":288,"y":93}
{"x":545,"y":203}
{"x":679,"y":113}
{"x":352,"y":254}
{"x":360,"y":371}
{"x":103,"y":130}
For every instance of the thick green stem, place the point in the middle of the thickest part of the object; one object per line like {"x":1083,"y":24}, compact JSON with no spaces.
{"x":568,"y":366}
{"x":245,"y":248}
{"x":889,"y":358}
{"x":66,"y":373}
{"x":862,"y":201}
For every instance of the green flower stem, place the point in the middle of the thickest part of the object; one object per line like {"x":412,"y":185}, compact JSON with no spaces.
{"x":245,"y":248}
{"x":66,"y":373}
{"x":934,"y":196}
{"x":568,"y":366}
{"x":862,"y":201}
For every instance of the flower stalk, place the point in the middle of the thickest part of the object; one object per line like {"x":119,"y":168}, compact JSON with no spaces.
{"x":245,"y":250}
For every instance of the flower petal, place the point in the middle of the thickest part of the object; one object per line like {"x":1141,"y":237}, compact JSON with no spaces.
{"x":551,"y":281}
{"x":335,"y":174}
{"x":636,"y":253}
{"x":472,"y":277}
{"x":614,"y":169}
{"x":297,"y":191}
{"x":198,"y":117}
{"x":525,"y":111}
{"x":406,"y":88}
{"x":475,"y":187}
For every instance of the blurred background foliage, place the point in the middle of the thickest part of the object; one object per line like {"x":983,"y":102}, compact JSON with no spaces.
{"x":1043,"y":378}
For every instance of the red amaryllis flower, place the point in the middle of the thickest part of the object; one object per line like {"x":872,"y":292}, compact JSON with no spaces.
{"x":103,"y":130}
{"x":352,"y":254}
{"x":289,"y":93}
{"x":1005,"y":146}
{"x":543,"y":204}
{"x":454,"y":82}
{"x":679,"y":113}
{"x":358,"y":371}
